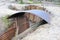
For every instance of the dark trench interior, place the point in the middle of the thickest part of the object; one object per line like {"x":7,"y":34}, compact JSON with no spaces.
{"x":21,"y":14}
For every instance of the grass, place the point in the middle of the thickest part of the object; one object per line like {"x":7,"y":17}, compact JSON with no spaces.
{"x":30,"y":2}
{"x":5,"y":20}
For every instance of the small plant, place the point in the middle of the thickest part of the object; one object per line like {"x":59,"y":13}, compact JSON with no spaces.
{"x":21,"y":2}
{"x":6,"y":21}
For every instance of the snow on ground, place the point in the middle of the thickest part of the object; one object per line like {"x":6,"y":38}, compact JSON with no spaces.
{"x":53,"y":9}
{"x":4,"y":10}
{"x":45,"y":32}
{"x":48,"y":31}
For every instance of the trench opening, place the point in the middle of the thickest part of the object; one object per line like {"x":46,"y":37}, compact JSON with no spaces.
{"x":33,"y":22}
{"x":26,"y":19}
{"x":26,"y":23}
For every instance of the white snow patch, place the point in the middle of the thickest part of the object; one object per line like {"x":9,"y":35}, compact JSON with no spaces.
{"x":48,"y":31}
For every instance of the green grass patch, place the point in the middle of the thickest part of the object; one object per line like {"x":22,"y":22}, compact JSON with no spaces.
{"x":5,"y":20}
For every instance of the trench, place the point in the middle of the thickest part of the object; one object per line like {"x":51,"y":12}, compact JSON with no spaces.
{"x":30,"y":30}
